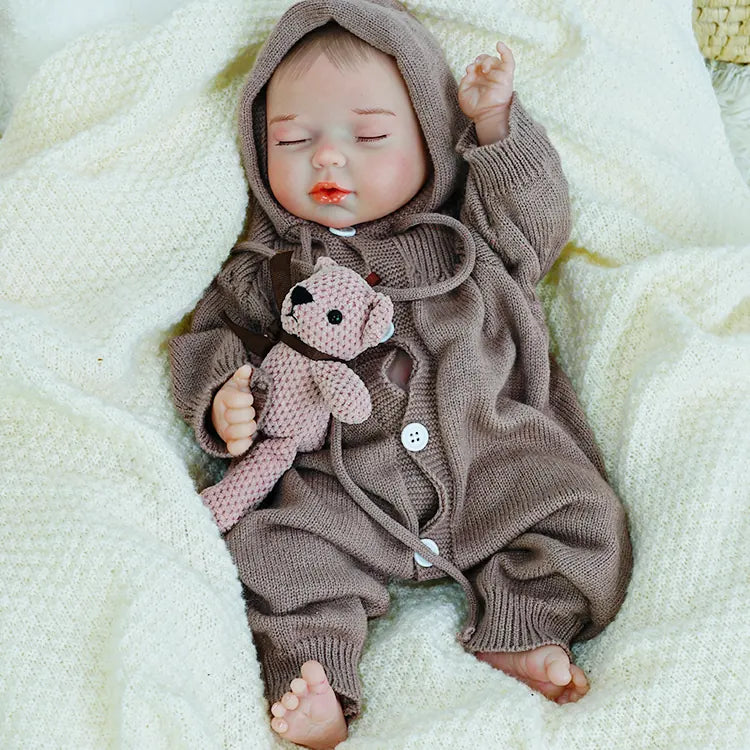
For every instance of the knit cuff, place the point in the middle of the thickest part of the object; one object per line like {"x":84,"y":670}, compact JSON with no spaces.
{"x":339,"y":659}
{"x":193,"y":397}
{"x":513,"y":623}
{"x":518,"y":159}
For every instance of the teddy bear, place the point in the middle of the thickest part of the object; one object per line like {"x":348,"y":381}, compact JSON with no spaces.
{"x":326,"y":320}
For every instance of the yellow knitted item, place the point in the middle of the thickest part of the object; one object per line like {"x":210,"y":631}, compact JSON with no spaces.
{"x":723,"y":29}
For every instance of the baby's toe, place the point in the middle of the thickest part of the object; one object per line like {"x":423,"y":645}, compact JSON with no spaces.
{"x":279,"y":725}
{"x":299,"y":687}
{"x":278,"y":710}
{"x":558,"y":669}
{"x":315,"y":677}
{"x":290,"y":701}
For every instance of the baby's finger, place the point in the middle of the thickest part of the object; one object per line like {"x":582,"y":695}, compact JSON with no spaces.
{"x":505,"y":54}
{"x":483,"y":63}
{"x":235,"y":399}
{"x":238,"y":447}
{"x":240,"y":431}
{"x":241,"y":377}
{"x":237,"y":416}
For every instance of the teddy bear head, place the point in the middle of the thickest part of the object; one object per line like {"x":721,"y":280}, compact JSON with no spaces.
{"x":336,"y":311}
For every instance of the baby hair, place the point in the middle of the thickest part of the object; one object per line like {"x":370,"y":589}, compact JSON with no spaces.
{"x":344,"y":50}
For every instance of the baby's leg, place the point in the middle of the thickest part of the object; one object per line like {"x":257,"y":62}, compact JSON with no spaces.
{"x":314,"y":570}
{"x":560,"y":569}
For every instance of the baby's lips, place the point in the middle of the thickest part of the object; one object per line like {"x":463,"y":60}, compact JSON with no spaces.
{"x":328,"y":192}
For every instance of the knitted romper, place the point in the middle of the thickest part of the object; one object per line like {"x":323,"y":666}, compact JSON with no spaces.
{"x":485,"y":454}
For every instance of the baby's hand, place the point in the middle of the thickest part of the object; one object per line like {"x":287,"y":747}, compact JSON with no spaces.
{"x":232,"y":412}
{"x":485,"y":91}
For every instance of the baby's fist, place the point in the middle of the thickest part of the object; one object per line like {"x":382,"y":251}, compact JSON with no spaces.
{"x":487,"y":87}
{"x":232,"y":412}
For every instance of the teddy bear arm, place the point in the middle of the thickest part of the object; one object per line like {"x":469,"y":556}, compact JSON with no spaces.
{"x":344,"y":392}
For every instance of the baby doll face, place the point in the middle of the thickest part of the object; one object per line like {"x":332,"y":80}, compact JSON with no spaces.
{"x":344,"y":146}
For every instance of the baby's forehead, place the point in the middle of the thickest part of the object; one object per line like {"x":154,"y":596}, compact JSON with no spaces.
{"x":371,"y":87}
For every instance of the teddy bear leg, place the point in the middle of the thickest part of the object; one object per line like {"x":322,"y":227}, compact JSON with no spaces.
{"x":249,"y":479}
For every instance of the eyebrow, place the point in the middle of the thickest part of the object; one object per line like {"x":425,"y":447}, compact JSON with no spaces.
{"x":367,"y":111}
{"x":281,"y":118}
{"x":373,"y":111}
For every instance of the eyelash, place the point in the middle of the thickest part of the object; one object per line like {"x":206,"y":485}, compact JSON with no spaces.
{"x":360,"y":139}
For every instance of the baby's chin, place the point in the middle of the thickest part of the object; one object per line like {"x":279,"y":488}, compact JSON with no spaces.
{"x":339,"y":217}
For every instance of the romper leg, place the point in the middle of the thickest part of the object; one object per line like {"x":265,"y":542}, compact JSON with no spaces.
{"x":314,"y":570}
{"x":552,"y":563}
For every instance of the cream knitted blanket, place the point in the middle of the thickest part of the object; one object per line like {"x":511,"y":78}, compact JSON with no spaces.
{"x":121,"y":619}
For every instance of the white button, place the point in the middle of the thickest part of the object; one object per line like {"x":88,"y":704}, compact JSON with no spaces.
{"x":343,"y":232}
{"x":391,"y":330}
{"x":430,"y":544}
{"x":414,"y":437}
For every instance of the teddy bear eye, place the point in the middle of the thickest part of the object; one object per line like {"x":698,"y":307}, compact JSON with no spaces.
{"x":335,"y":317}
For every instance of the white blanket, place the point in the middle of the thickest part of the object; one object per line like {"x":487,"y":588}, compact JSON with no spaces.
{"x":121,"y":618}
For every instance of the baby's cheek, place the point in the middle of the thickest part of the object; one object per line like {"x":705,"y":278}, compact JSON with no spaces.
{"x":283,"y":181}
{"x":397,"y":176}
{"x":398,"y":168}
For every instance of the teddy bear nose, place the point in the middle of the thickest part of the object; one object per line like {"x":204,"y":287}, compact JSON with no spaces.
{"x":300,"y":295}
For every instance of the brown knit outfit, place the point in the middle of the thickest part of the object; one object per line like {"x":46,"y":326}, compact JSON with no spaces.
{"x":509,"y":485}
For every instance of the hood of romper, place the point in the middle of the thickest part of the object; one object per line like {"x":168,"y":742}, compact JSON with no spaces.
{"x":389,"y":27}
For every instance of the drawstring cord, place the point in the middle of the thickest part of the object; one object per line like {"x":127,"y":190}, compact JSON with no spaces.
{"x":393,"y":527}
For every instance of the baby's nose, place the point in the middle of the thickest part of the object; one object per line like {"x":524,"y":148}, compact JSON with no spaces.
{"x":327,"y":155}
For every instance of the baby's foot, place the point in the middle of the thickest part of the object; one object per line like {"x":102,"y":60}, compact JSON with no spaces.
{"x":310,"y":714}
{"x":546,"y":669}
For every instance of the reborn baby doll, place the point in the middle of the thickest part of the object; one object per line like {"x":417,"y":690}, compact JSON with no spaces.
{"x":476,"y":462}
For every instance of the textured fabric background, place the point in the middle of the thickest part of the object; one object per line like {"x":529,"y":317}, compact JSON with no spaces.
{"x":121,"y":620}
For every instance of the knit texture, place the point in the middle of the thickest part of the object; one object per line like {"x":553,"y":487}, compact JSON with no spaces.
{"x":121,"y":620}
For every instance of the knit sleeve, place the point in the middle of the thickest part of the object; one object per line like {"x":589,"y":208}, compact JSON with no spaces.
{"x":517,"y":196}
{"x":206,"y":357}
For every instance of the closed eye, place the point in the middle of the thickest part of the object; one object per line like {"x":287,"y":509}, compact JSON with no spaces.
{"x":292,"y":143}
{"x":363,"y":139}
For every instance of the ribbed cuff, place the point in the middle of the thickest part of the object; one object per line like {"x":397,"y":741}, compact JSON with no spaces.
{"x":339,"y":659}
{"x":519,"y":158}
{"x":513,"y":623}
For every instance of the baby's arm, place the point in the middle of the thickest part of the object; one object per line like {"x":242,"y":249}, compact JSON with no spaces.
{"x":205,"y":359}
{"x":516,"y":194}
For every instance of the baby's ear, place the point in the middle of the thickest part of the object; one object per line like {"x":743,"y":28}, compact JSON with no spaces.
{"x":378,"y":321}
{"x":324,"y":262}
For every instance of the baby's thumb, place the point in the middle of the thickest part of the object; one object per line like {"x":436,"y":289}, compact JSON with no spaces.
{"x":243,"y":374}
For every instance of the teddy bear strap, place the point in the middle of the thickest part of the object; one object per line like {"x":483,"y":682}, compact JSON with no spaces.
{"x":258,"y":343}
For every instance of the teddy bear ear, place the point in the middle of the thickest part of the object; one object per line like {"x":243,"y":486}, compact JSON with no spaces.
{"x":324,"y":262}
{"x":378,"y":321}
